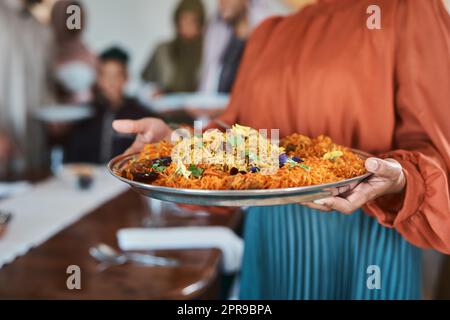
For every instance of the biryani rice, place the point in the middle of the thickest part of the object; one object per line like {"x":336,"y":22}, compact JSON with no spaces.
{"x":317,"y":167}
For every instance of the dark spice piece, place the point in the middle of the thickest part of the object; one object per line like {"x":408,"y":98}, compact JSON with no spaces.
{"x":234,"y":171}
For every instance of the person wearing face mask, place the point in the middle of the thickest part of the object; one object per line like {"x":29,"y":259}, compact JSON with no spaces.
{"x":93,"y":140}
{"x":24,"y":86}
{"x":174,"y":66}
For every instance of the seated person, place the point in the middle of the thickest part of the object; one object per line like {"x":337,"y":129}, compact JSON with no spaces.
{"x":93,"y":140}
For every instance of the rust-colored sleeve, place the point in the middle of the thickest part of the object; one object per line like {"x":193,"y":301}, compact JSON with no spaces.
{"x":422,"y":136}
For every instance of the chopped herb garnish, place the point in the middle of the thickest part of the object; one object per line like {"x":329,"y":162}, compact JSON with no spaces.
{"x":196,"y":171}
{"x":304,"y":167}
{"x":292,"y":163}
{"x":158,"y":166}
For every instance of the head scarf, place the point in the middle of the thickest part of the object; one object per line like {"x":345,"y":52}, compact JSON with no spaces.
{"x":186,"y":54}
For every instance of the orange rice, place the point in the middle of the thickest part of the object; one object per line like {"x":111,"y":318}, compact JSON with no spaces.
{"x":315,"y":168}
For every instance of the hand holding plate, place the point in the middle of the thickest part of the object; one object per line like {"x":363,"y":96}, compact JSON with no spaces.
{"x":387,"y":178}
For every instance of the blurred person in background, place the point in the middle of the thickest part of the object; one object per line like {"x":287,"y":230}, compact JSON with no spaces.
{"x":225,"y":41}
{"x":73,"y":63}
{"x":93,"y":140}
{"x":224,"y":44}
{"x":25,"y":46}
{"x":174,"y":65}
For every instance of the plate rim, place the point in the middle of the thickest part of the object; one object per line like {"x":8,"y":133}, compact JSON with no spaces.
{"x":211,"y":193}
{"x":82,"y":112}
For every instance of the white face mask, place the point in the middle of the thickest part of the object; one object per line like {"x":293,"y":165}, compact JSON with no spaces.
{"x":76,"y":77}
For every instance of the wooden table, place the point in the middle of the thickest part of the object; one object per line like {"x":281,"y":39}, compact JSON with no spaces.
{"x":41,"y":274}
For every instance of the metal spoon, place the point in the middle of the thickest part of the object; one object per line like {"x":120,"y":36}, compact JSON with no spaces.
{"x":106,"y":254}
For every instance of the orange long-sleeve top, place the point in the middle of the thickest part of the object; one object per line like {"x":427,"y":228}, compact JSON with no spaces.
{"x":385,"y":91}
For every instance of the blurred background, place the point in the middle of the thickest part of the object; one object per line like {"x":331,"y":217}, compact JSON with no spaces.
{"x":175,"y":60}
{"x":110,"y":24}
{"x":68,"y":69}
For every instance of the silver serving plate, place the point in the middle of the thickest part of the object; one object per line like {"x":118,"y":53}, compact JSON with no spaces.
{"x":238,"y":198}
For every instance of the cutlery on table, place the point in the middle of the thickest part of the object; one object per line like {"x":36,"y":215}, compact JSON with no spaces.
{"x":106,"y":254}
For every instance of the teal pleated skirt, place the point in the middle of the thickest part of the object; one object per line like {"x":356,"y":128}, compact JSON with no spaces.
{"x":294,"y":252}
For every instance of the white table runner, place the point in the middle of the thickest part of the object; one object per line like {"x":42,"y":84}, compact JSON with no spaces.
{"x":50,"y":207}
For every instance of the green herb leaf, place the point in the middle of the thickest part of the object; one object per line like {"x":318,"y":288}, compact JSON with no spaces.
{"x":196,"y":171}
{"x":291,"y":163}
{"x":305,"y":167}
{"x":158,"y":167}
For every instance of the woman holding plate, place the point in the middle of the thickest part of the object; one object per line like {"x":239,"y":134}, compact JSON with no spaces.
{"x":381,"y":87}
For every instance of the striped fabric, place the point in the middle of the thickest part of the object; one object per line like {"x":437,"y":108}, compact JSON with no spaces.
{"x":293,"y":252}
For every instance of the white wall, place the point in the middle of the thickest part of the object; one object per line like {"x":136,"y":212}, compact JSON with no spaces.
{"x":136,"y":25}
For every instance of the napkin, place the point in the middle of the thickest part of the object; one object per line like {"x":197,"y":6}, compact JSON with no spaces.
{"x":222,"y":238}
{"x":49,"y":207}
{"x":9,"y":189}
